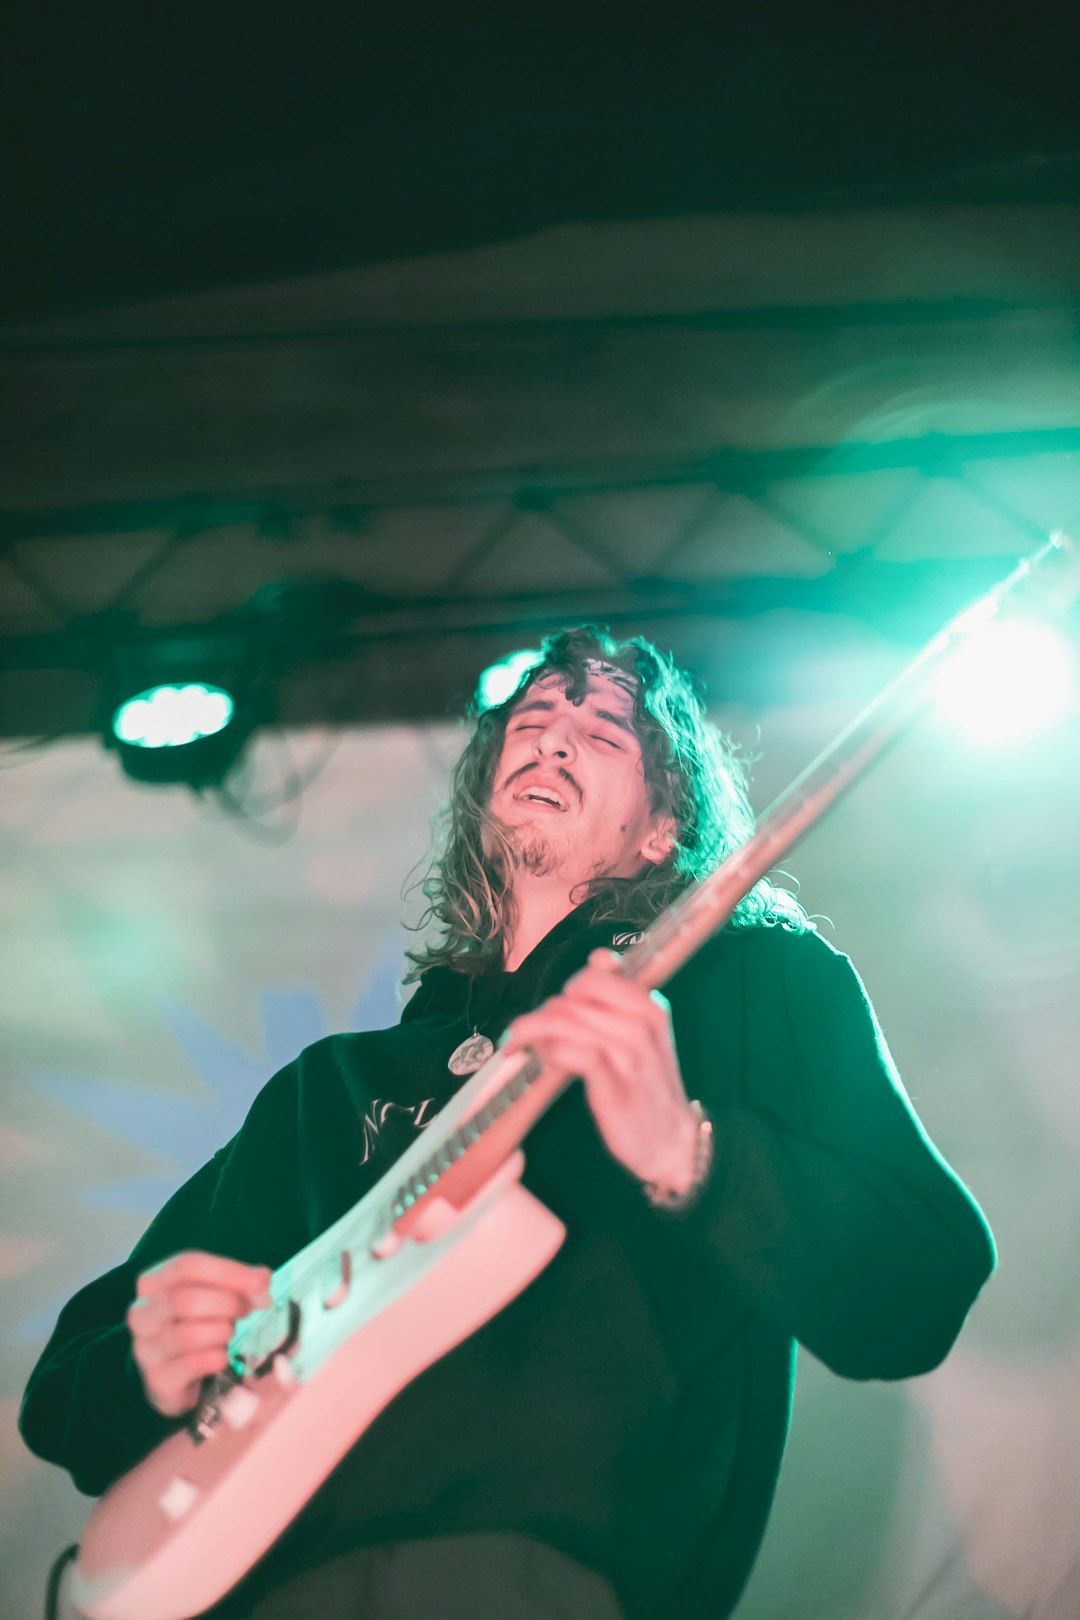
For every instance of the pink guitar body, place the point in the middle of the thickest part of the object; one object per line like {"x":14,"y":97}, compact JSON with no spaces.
{"x":177,"y":1532}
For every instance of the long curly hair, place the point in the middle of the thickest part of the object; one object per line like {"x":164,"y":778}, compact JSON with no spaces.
{"x":693,"y":775}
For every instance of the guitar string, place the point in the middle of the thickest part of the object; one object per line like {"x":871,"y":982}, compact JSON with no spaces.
{"x":634,"y":960}
{"x":424,"y":1178}
{"x":685,"y":915}
{"x":466,"y":1135}
{"x":677,"y":920}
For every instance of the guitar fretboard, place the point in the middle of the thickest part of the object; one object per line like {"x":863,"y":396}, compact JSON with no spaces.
{"x":458,"y":1144}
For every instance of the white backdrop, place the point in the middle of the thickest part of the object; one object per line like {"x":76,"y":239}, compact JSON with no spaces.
{"x":158,"y":963}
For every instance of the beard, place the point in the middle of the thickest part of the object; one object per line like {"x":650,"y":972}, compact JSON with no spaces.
{"x":536,"y":854}
{"x":526,"y":849}
{"x":532,"y":849}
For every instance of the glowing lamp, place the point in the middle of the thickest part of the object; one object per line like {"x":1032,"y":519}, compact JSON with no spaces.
{"x":500,"y":681}
{"x":1013,"y":678}
{"x":170,"y":716}
{"x":189,"y":731}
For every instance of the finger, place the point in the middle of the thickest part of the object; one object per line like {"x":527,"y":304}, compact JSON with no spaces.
{"x":568,"y":1060}
{"x":178,"y":1339}
{"x":175,"y":1388}
{"x":629,"y":1036}
{"x":609,"y":962}
{"x":582,"y":1053}
{"x":613,"y":990}
{"x":182,"y":1304}
{"x":195,"y":1266}
{"x":579,"y":1055}
{"x":642,"y":1018}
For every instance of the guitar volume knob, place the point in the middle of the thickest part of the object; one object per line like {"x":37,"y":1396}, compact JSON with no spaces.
{"x":177,"y":1497}
{"x":239,"y":1406}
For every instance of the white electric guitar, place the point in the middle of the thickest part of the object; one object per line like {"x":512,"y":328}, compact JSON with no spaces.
{"x":443,"y":1242}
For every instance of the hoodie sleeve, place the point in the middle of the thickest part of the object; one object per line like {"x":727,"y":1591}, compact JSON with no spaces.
{"x":832,"y":1211}
{"x":84,"y":1406}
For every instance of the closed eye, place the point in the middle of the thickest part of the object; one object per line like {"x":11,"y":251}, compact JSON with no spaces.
{"x":532,"y":726}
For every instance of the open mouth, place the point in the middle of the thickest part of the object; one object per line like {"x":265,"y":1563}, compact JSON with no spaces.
{"x":546,"y":798}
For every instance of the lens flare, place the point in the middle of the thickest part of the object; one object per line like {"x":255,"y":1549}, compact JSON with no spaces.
{"x":500,"y":681}
{"x":1012,"y":679}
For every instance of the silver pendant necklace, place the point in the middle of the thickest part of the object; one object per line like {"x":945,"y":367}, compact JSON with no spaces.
{"x":475,"y":1049}
{"x":471,"y":1055}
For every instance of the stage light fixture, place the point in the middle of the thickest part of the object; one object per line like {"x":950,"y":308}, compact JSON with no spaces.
{"x":171,"y":716}
{"x":501,"y":680}
{"x":1013,"y":678}
{"x":167,"y":727}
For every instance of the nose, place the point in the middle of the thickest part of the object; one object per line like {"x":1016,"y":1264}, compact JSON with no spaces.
{"x":555,"y":741}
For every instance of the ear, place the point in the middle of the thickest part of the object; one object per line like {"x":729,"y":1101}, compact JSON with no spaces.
{"x":660,"y":841}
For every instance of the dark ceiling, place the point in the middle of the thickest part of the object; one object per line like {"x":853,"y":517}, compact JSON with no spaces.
{"x":177,"y":146}
{"x":372,"y":340}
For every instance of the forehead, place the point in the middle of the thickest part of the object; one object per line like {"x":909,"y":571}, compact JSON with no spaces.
{"x":605,"y":684}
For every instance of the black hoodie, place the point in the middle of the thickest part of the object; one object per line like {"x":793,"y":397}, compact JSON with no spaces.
{"x":630,"y":1408}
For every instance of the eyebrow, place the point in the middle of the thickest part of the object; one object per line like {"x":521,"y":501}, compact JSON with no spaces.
{"x":598,"y":714}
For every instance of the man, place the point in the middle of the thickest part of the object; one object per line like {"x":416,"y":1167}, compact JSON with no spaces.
{"x":740,"y":1170}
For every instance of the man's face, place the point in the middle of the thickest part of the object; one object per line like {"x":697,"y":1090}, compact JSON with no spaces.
{"x":588,"y":758}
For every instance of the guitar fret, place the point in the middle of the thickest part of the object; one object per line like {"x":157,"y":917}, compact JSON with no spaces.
{"x":463,"y":1138}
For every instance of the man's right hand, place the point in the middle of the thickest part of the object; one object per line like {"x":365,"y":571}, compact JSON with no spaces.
{"x":184,"y":1313}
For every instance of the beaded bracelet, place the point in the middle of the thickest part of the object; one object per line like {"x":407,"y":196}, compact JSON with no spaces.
{"x":664,"y":1197}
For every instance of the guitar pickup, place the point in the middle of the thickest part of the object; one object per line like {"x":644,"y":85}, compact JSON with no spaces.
{"x":289,"y":1341}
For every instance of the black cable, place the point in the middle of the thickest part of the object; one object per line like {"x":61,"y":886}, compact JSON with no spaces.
{"x":261,"y":832}
{"x":28,"y":749}
{"x":244,"y":807}
{"x":298,"y":781}
{"x":56,"y":1573}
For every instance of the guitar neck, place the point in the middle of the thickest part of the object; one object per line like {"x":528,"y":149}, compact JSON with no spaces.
{"x":476,"y":1150}
{"x":493,"y":1112}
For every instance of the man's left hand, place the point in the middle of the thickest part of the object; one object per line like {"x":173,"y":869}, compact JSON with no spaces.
{"x":617,"y":1036}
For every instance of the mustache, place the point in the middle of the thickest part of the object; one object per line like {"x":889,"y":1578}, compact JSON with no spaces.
{"x":559,"y":771}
